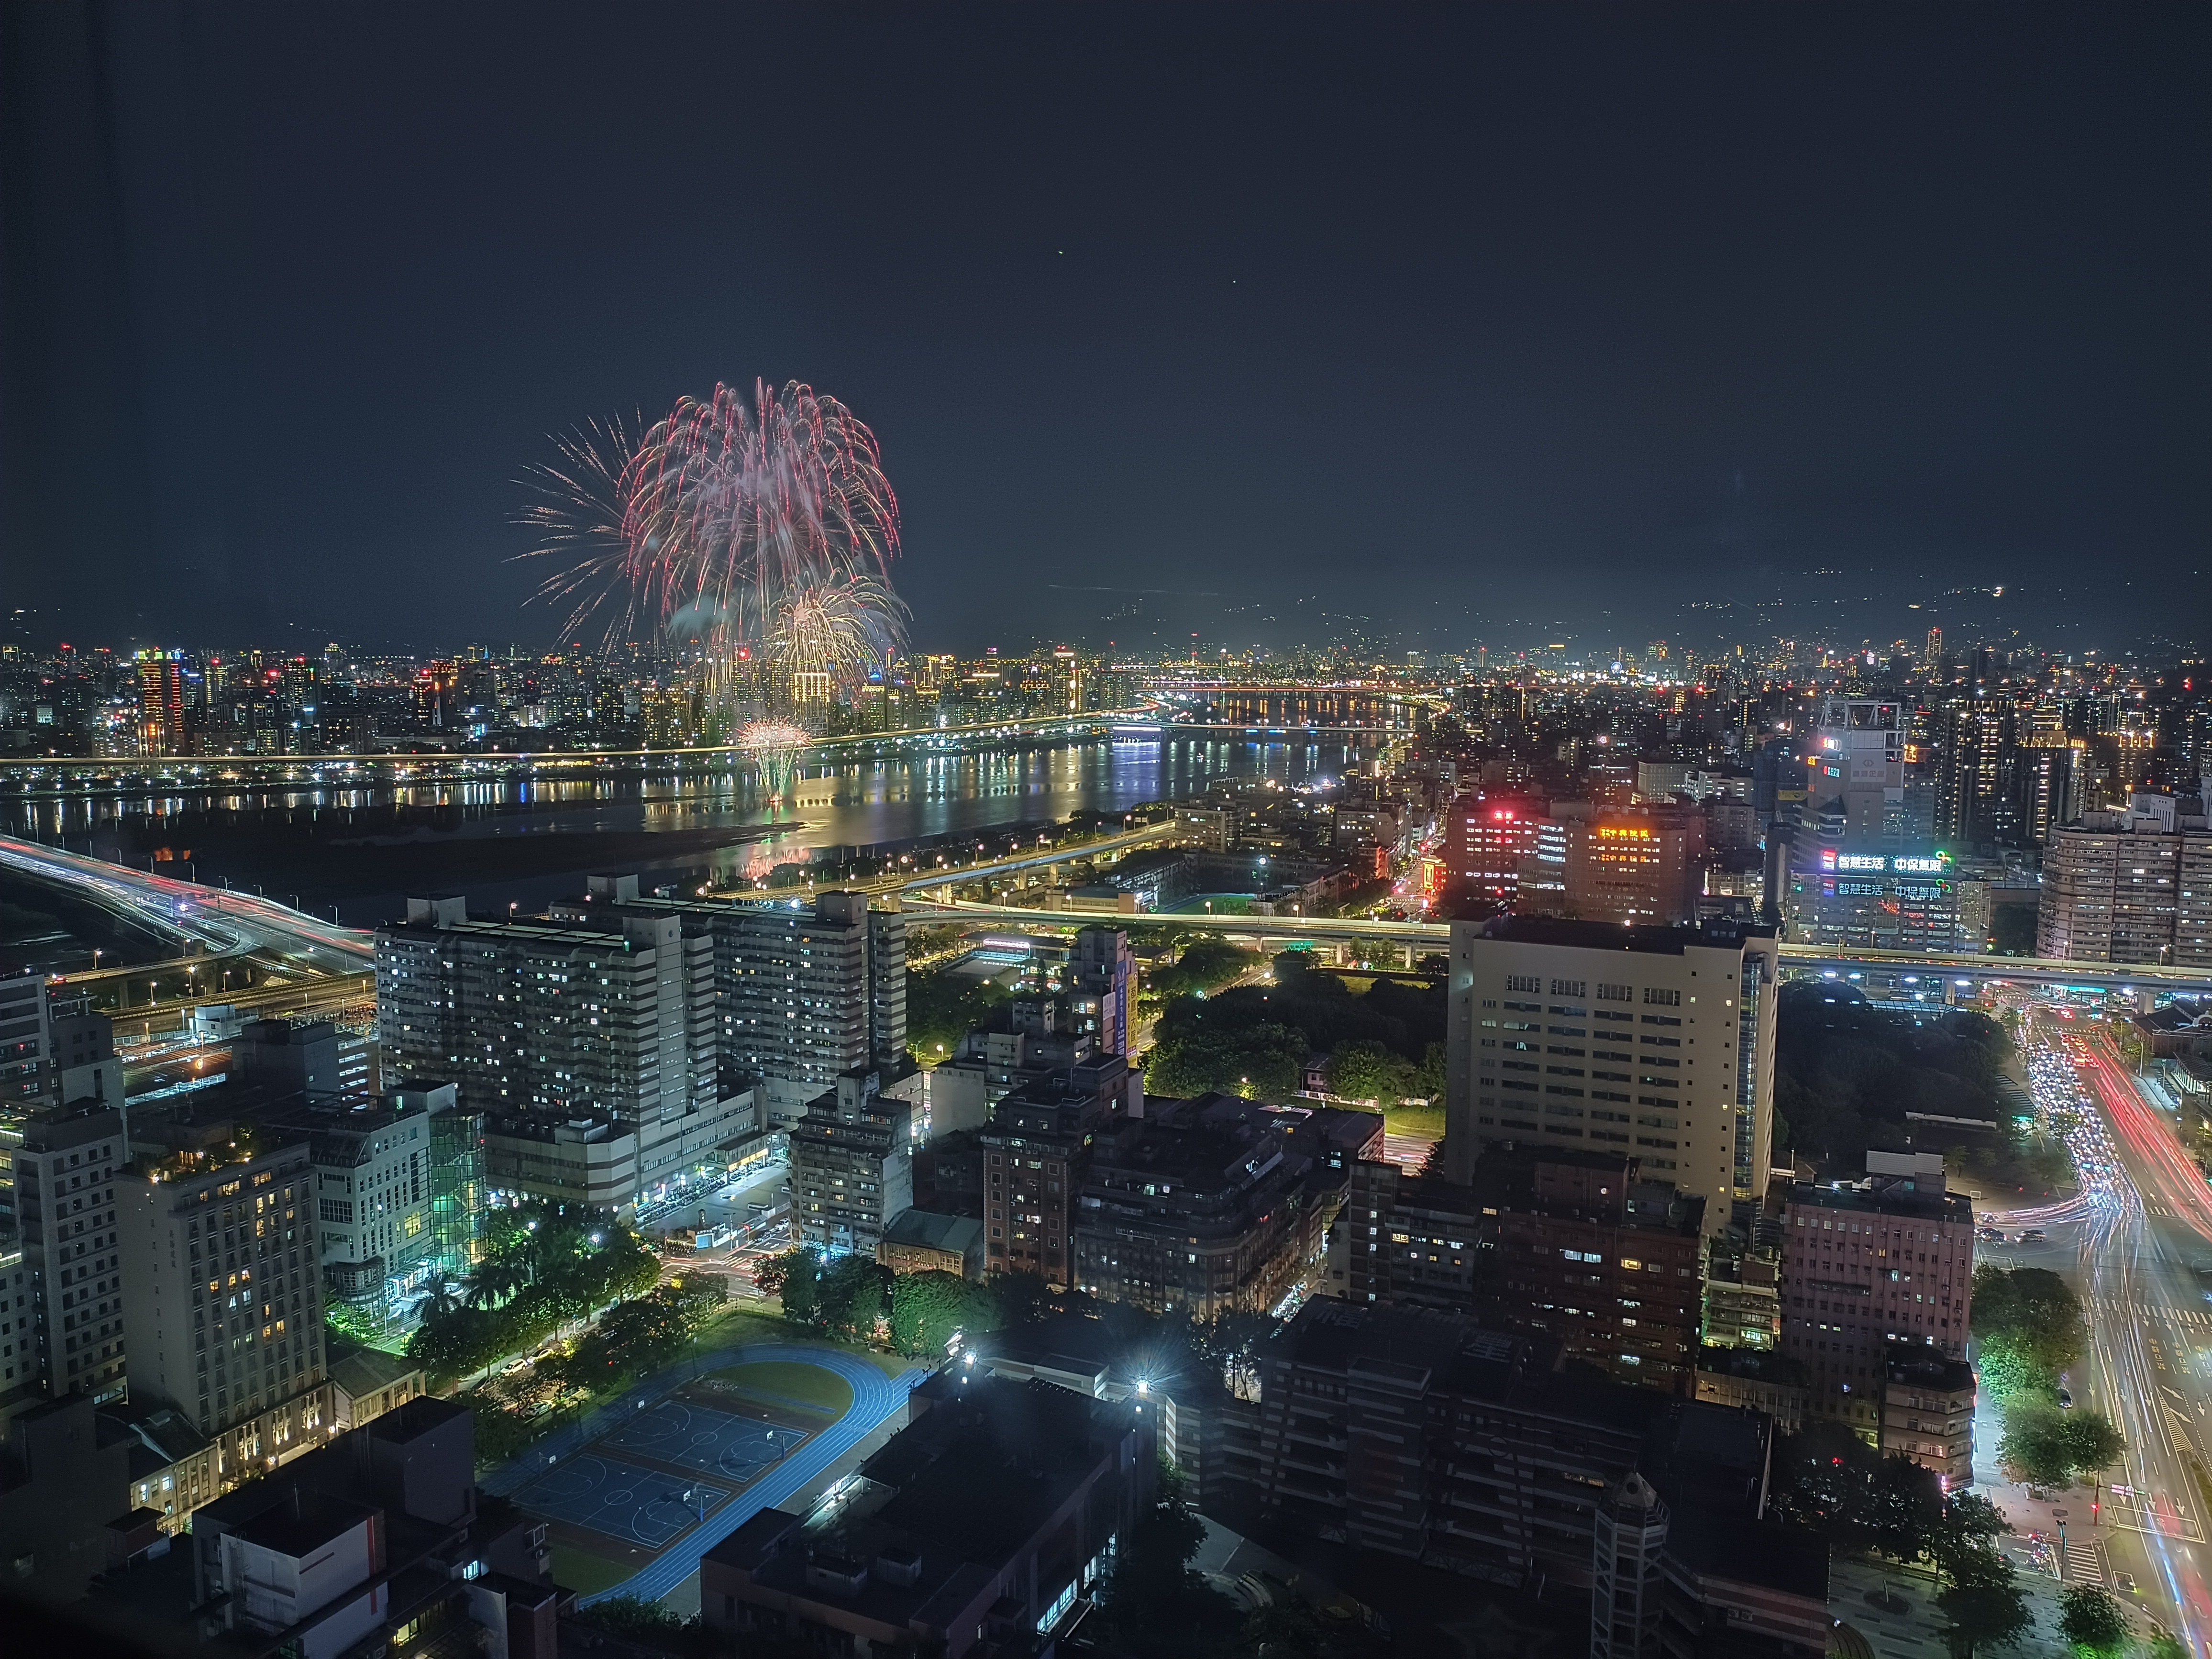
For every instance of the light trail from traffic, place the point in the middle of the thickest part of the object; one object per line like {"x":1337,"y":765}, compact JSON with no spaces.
{"x":2142,"y":1210}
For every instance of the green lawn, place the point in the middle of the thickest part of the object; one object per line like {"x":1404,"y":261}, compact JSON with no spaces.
{"x":585,"y":1573}
{"x":789,"y":1379}
{"x":1415,"y":1121}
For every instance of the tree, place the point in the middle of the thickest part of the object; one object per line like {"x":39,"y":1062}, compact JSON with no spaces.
{"x":1984,"y":1615}
{"x":851,"y":1295}
{"x":2047,"y":1447}
{"x":2033,"y":1311}
{"x":1154,"y":1602}
{"x":1364,"y":1070}
{"x":794,"y":1279}
{"x":2092,"y":1620}
{"x":928,"y":1308}
{"x":1967,"y":1537}
{"x":1262,"y":1062}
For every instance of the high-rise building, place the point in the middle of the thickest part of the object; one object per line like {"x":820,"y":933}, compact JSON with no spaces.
{"x":2131,"y":886}
{"x":1628,"y":1549}
{"x":161,"y":703}
{"x":222,"y":1302}
{"x":1102,"y":980}
{"x":1641,"y":868}
{"x":1487,"y":839}
{"x":1873,"y":901}
{"x":806,"y":992}
{"x":1858,"y":755}
{"x":1578,"y":1034}
{"x":1888,"y":1261}
{"x":72,"y":1328}
{"x":1576,"y":1247}
{"x":1037,"y":1155}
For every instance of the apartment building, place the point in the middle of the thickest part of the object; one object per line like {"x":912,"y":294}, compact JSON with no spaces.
{"x":1037,"y":1155}
{"x":1573,"y":1247}
{"x":1195,"y":1209}
{"x":1640,"y":867}
{"x":1653,"y":1041}
{"x":852,"y":1166}
{"x":559,"y":1023}
{"x":223,"y":1302}
{"x":70,"y":1327}
{"x":1886,"y":1261}
{"x":805,"y":991}
{"x":2132,"y":886}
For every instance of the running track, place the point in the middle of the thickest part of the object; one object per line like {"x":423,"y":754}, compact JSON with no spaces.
{"x":875,"y":1397}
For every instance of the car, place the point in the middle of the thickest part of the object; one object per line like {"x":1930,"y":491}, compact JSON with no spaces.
{"x":2033,"y":1236}
{"x":2066,"y":1399}
{"x":2126,"y":1581}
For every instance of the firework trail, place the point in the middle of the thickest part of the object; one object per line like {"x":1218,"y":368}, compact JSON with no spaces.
{"x":775,"y":747}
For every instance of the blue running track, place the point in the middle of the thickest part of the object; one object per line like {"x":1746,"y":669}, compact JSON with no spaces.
{"x":875,"y":1397}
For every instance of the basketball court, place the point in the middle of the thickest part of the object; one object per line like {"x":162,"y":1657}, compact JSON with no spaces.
{"x":711,"y":1443}
{"x":620,"y":1499}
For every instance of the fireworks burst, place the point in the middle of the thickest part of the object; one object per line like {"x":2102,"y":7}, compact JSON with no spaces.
{"x":845,"y":628}
{"x":775,"y":747}
{"x":751,"y":522}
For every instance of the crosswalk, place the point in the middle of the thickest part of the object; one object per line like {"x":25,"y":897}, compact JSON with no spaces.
{"x":2184,"y":1318}
{"x":2081,"y":1561}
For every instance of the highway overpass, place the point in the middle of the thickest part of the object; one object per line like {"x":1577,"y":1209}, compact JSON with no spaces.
{"x":1436,"y":936}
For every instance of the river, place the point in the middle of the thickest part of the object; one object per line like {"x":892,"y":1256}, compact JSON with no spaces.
{"x":515,"y":836}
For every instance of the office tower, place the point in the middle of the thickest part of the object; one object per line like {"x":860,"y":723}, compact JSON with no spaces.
{"x":24,"y":1039}
{"x":807,"y":991}
{"x":604,"y":1033}
{"x":1488,"y":838}
{"x":1931,"y":653}
{"x":2131,"y":886}
{"x":852,"y":1166}
{"x":1642,"y":867}
{"x":1578,"y":1034}
{"x":1875,"y":900}
{"x":1102,"y":980}
{"x":162,"y":702}
{"x":72,"y":1328}
{"x":222,"y":1300}
{"x":1887,"y":1261}
{"x":1858,"y":755}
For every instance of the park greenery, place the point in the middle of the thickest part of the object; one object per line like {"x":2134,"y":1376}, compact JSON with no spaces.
{"x":855,"y":1298}
{"x":543,"y":1269}
{"x":1830,"y":1481}
{"x":1846,"y":1072}
{"x":1384,"y":1045}
{"x":2028,"y":1329}
{"x":942,"y":1006}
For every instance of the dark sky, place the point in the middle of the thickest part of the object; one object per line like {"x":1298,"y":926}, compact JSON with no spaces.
{"x":1482,"y":325}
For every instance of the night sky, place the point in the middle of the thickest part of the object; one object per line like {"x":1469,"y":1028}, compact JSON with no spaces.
{"x":1480,"y":326}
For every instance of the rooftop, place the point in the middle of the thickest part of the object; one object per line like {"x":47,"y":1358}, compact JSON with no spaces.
{"x":927,"y":1230}
{"x":1604,"y":936}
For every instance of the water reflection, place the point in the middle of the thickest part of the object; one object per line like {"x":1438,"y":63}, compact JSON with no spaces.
{"x":856,"y":803}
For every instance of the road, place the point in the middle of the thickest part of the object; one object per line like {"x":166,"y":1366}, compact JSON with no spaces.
{"x":220,"y":921}
{"x":2137,"y":1236}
